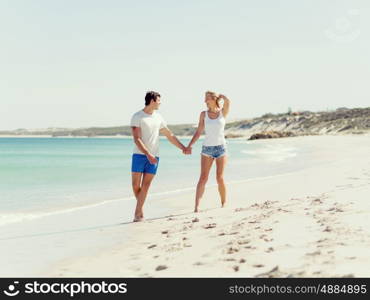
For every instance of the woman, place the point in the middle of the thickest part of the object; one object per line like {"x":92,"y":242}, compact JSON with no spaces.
{"x":214,"y":146}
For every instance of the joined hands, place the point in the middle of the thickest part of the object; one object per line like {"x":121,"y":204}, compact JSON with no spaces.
{"x":187,"y":150}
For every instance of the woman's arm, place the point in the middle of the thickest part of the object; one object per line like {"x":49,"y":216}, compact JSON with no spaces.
{"x":199,"y":130}
{"x":226,"y":106}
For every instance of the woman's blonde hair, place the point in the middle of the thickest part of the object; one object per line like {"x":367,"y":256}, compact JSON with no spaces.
{"x":215,"y":96}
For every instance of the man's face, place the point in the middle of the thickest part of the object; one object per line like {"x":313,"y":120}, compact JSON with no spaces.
{"x":157,"y":103}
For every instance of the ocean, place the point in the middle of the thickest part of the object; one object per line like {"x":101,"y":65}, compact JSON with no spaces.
{"x":43,"y":176}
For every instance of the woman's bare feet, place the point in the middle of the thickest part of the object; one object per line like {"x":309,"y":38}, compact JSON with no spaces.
{"x":139,"y":214}
{"x":196,"y":209}
{"x":139,"y":218}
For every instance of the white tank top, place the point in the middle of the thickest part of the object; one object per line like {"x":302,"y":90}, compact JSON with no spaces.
{"x":214,"y":129}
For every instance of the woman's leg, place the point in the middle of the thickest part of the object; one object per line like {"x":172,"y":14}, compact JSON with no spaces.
{"x":206,"y":164}
{"x":220,"y":165}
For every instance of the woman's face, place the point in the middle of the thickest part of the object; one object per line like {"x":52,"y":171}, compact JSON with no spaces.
{"x":210,"y":101}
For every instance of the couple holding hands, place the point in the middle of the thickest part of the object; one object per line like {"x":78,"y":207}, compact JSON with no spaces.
{"x":146,"y":126}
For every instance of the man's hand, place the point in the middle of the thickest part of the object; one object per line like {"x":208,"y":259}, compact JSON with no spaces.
{"x":152,"y":159}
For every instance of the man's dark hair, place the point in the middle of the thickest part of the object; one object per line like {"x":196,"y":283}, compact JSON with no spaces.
{"x":151,"y":95}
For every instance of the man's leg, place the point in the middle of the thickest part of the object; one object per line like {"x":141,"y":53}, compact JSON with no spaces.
{"x":136,"y":182}
{"x":145,"y":185}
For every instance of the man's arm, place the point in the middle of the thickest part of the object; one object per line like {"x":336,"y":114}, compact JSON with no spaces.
{"x":172,"y":138}
{"x":136,"y":133}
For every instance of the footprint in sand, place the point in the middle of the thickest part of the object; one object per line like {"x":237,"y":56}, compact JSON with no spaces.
{"x":152,"y":246}
{"x":230,"y":233}
{"x":258,"y":266}
{"x":348,"y":276}
{"x":327,"y":229}
{"x":187,"y":227}
{"x":316,"y":201}
{"x":243,"y":242}
{"x":267,"y":204}
{"x":208,"y":226}
{"x":274,"y":272}
{"x":283,"y":210}
{"x":229,"y":259}
{"x":270,"y":249}
{"x":161,"y":267}
{"x":232,"y":250}
{"x":318,"y":252}
{"x":322,"y":240}
{"x":250,"y":247}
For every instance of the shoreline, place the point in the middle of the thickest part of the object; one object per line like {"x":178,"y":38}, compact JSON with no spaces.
{"x":32,"y":215}
{"x":98,"y":241}
{"x":253,"y":236}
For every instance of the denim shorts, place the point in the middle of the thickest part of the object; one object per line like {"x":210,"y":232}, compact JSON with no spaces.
{"x":214,"y":151}
{"x":140,"y":163}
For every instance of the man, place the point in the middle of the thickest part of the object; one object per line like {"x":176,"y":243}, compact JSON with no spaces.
{"x":146,"y":125}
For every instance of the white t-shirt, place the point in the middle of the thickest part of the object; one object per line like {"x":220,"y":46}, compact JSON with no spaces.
{"x":150,"y":124}
{"x":214,"y":129}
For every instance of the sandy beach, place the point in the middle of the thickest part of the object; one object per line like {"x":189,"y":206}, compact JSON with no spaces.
{"x":309,"y":223}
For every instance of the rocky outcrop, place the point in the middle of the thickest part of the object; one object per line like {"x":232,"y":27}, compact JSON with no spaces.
{"x":271,"y":135}
{"x":340,"y":121}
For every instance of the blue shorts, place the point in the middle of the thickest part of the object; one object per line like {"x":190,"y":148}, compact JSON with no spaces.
{"x":214,"y":151}
{"x":141,"y":164}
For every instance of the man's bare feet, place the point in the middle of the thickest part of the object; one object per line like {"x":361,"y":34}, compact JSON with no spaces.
{"x":196,"y":209}
{"x":223,"y":204}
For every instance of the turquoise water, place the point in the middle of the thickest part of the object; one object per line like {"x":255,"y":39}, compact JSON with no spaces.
{"x":48,"y":174}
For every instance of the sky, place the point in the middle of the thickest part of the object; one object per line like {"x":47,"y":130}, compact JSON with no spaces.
{"x":82,"y":63}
